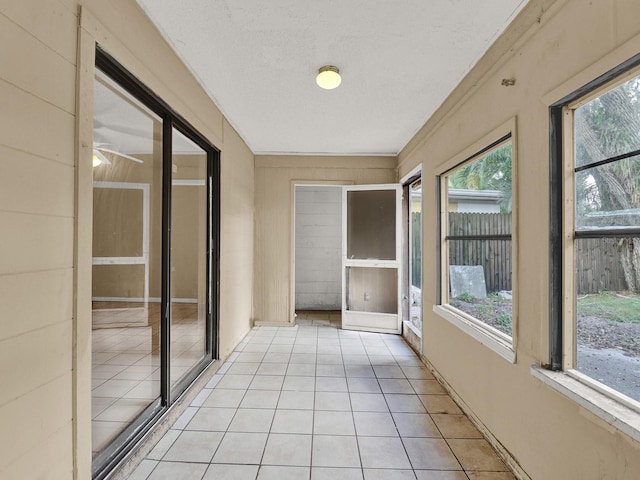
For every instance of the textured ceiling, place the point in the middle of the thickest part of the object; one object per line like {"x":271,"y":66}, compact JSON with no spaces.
{"x":399,"y":59}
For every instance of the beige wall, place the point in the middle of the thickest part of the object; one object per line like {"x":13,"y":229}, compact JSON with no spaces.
{"x":275,"y":177}
{"x":550,"y":51}
{"x":45,"y":205}
{"x":237,"y":240}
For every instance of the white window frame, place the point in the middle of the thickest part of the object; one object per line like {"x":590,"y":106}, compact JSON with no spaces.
{"x":487,"y":335}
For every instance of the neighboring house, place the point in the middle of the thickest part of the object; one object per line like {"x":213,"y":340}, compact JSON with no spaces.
{"x":474,"y":201}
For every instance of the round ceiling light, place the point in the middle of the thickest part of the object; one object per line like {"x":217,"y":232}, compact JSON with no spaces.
{"x":328,"y":77}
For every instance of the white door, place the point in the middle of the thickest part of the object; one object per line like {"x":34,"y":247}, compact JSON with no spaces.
{"x":371,"y":254}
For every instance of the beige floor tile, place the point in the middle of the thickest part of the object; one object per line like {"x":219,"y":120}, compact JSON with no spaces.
{"x":456,"y":426}
{"x":335,"y":401}
{"x":299,"y":384}
{"x":194,"y":447}
{"x":388,"y":474}
{"x":164,"y":445}
{"x":269,"y":472}
{"x":288,"y":449}
{"x":267,"y":382}
{"x":276,"y":358}
{"x":173,"y":470}
{"x":404,"y":403}
{"x":292,"y":421}
{"x":333,"y":423}
{"x":416,"y":425}
{"x":231,"y":472}
{"x":388,"y":371}
{"x":301,"y":369}
{"x":325,"y":370}
{"x":440,"y":475}
{"x":378,"y":424}
{"x":330,"y":359}
{"x":272,"y":369}
{"x":303,"y":358}
{"x":143,"y":470}
{"x":235,"y":382}
{"x":363,"y":385}
{"x":249,"y":357}
{"x":252,"y":420}
{"x":395,"y":385}
{"x":328,"y":473}
{"x":212,"y":419}
{"x":368,"y":402}
{"x":260,"y":399}
{"x":280,"y":348}
{"x":331,"y":384}
{"x":335,"y":451}
{"x":382,"y":452}
{"x":430,"y":454}
{"x":440,"y":404}
{"x":243,"y":368}
{"x":296,"y":400}
{"x":418,"y":373}
{"x":425,"y":387}
{"x":224,"y":398}
{"x":477,"y":455}
{"x":240,"y":448}
{"x":491,"y":476}
{"x":359,"y":371}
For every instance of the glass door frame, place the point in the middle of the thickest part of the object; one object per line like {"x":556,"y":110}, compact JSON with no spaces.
{"x":109,"y":457}
{"x":358,"y":320}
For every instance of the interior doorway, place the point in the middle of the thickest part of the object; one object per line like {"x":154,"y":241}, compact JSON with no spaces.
{"x":317,"y":251}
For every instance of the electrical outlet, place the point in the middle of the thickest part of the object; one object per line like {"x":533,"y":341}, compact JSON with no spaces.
{"x":367,"y":297}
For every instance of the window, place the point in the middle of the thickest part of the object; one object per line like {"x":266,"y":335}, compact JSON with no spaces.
{"x":599,"y":235}
{"x":476,"y":245}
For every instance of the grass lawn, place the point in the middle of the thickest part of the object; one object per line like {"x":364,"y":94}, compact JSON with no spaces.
{"x":621,"y":307}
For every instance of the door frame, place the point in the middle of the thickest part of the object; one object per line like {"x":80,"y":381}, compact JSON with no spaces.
{"x":292,"y":251}
{"x":360,"y":317}
{"x":406,"y":181}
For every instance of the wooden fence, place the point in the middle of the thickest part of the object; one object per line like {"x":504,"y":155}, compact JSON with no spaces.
{"x":493,"y":255}
{"x":598,"y":265}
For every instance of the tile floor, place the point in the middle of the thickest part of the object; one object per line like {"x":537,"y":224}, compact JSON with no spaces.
{"x":315,"y":402}
{"x":126,"y":361}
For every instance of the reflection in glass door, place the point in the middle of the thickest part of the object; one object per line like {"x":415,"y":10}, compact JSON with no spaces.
{"x":155,"y":218}
{"x":189,"y":260}
{"x":126,"y":245}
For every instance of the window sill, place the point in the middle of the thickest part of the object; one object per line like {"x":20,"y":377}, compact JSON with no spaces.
{"x":479,"y":331}
{"x":608,"y":409}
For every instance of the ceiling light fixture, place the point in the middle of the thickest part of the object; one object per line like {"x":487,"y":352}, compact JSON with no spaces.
{"x":99,"y":158}
{"x":328,"y":77}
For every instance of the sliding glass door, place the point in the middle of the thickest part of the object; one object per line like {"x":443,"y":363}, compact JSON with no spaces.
{"x":155,"y":227}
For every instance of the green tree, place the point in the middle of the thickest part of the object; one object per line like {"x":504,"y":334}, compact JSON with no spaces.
{"x":491,"y":172}
{"x":606,"y":127}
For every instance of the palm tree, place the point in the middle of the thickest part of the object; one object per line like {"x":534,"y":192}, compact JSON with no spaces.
{"x":491,"y":172}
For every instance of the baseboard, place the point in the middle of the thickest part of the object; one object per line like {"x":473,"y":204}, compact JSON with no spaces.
{"x":502,"y":452}
{"x":263,"y":323}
